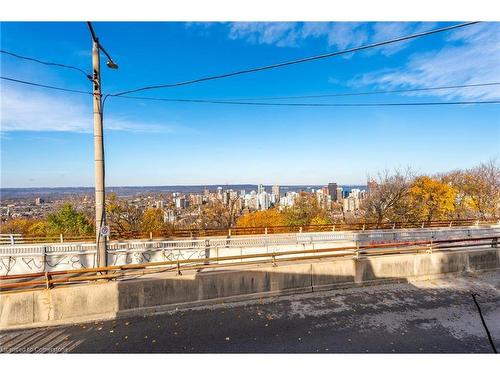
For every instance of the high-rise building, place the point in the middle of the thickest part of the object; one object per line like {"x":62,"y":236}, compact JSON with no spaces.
{"x":332,"y":191}
{"x":339,"y":194}
{"x":181,"y":202}
{"x":264,"y":202}
{"x":276,"y":190}
{"x":372,"y":185}
{"x":226,"y":197}
{"x":275,"y":194}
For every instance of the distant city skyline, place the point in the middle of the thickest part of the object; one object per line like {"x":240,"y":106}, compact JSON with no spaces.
{"x":46,"y":136}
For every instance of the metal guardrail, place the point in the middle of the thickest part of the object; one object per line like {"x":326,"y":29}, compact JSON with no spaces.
{"x":20,"y":282}
{"x":251,"y":241}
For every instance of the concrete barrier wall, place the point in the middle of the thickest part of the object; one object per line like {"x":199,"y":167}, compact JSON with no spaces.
{"x":111,"y":299}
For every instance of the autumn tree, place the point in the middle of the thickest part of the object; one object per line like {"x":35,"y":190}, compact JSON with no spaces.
{"x":219,"y":214}
{"x":478,"y":190}
{"x":483,"y":189}
{"x":123,"y":216}
{"x":38,"y":228}
{"x":304,"y":210}
{"x":24,"y":226}
{"x":431,"y":199}
{"x":459,"y":179}
{"x":267,"y":218}
{"x":67,"y":220}
{"x":152,"y":220}
{"x":388,"y":199}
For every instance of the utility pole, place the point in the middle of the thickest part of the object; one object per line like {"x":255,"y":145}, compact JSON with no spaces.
{"x":100,"y":200}
{"x":100,"y":212}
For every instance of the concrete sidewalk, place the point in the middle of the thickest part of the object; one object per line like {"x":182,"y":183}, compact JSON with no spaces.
{"x":436,"y":316}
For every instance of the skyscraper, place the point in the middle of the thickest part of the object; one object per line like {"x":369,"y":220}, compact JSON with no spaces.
{"x":340,"y":193}
{"x":275,"y":191}
{"x":332,"y":191}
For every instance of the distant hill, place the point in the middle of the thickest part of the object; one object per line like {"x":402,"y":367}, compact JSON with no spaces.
{"x":11,"y":193}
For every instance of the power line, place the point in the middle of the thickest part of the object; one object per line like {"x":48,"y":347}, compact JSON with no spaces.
{"x":367,"y":92}
{"x":45,"y":86}
{"x":46,"y":62}
{"x":299,"y":61}
{"x":208,"y":101}
{"x":307,"y":104}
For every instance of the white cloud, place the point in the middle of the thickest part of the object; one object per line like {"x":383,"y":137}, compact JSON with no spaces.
{"x":293,"y":34}
{"x":345,"y":35}
{"x":340,"y":35}
{"x":472,"y":56}
{"x":283,"y":34}
{"x":28,"y":110}
{"x":390,"y":30}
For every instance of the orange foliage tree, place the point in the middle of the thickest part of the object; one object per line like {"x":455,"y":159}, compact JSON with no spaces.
{"x":268,"y":218}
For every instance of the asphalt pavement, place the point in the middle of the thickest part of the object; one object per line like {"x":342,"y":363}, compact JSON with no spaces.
{"x":437,"y":316}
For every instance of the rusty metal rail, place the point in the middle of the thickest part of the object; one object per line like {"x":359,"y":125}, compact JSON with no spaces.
{"x":19,"y":282}
{"x":11,"y":239}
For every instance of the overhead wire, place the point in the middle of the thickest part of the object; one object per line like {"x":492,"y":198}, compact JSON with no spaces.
{"x":298,"y":61}
{"x":342,"y":94}
{"x":395,"y":104}
{"x":209,"y":101}
{"x":44,"y":86}
{"x":46,"y":62}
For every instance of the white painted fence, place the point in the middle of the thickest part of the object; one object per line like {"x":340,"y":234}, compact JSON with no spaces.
{"x":16,"y":259}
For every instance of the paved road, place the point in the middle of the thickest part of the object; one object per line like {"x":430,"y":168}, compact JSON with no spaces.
{"x":434,"y":316}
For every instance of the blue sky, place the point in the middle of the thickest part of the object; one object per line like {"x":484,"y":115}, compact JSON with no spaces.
{"x":46,"y":136}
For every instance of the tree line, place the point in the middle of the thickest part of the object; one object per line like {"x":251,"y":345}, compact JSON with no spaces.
{"x":393,"y":196}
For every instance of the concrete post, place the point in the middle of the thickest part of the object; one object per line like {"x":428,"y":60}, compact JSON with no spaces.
{"x":100,"y":214}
